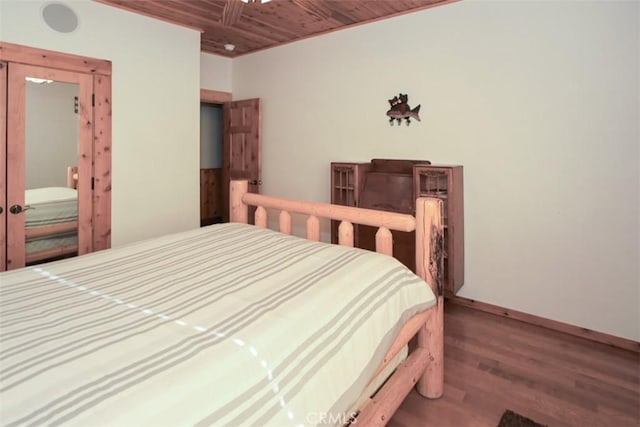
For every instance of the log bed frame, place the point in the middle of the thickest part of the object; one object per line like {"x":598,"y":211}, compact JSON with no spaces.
{"x":52,"y":230}
{"x":424,"y":365}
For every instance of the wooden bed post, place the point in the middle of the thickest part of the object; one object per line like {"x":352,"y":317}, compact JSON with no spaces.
{"x":430,"y":242}
{"x":72,"y":177}
{"x":238,"y":210}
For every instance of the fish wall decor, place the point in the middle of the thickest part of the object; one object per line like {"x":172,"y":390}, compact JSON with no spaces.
{"x":400,"y":109}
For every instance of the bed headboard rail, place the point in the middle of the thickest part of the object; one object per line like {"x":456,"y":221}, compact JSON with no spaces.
{"x":240,"y":201}
{"x":427,"y":224}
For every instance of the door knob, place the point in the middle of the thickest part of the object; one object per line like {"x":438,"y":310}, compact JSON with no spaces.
{"x":16,"y":209}
{"x":255,"y":182}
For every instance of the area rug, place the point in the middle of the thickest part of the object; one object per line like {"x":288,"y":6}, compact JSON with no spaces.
{"x":512,"y":419}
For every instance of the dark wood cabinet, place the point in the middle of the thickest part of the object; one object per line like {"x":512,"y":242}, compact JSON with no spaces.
{"x":394,"y":185}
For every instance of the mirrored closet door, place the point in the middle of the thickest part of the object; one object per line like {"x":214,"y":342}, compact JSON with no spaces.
{"x":49,"y":168}
{"x":55,"y":179}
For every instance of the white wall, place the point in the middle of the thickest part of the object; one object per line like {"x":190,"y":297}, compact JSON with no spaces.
{"x":1,"y":20}
{"x":156,"y":74}
{"x":540,"y":103}
{"x":215,"y":72}
{"x":51,"y":136}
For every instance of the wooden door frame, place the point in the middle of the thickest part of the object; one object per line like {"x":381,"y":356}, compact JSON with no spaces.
{"x":214,"y":97}
{"x":101,"y":72}
{"x":3,"y":165}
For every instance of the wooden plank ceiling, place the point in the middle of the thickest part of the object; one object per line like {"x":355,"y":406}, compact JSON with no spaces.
{"x":255,"y":26}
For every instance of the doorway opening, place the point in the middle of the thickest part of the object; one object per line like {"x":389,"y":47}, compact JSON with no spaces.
{"x":211,"y":134}
{"x":241,"y":143}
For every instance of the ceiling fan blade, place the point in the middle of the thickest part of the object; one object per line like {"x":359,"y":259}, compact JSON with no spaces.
{"x":231,"y":12}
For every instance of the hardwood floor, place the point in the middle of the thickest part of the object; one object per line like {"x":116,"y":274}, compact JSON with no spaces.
{"x":493,"y":363}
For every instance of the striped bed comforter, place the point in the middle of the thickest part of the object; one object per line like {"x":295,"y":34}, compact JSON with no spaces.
{"x":228,"y":325}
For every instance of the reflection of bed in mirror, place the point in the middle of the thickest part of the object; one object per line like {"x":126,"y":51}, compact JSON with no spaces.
{"x":51,"y":220}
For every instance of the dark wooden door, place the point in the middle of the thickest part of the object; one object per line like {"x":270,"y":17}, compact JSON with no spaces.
{"x":242,"y":146}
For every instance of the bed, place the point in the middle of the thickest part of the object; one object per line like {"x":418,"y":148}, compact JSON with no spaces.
{"x":231,"y":324}
{"x":51,"y":221}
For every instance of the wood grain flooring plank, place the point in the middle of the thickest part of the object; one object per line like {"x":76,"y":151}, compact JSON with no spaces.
{"x":493,"y":363}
